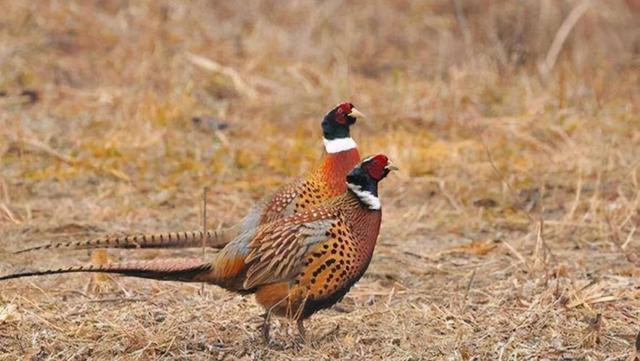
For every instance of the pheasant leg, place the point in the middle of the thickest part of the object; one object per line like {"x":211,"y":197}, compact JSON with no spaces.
{"x":266,"y":326}
{"x":301,"y":331}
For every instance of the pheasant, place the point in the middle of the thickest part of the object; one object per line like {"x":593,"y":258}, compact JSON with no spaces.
{"x":325,"y":182}
{"x":296,"y":265}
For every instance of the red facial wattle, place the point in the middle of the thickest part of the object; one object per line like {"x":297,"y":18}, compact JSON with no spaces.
{"x":376,"y":166}
{"x":342,"y":110}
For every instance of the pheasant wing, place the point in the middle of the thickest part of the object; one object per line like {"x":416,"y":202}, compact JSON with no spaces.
{"x":278,"y":250}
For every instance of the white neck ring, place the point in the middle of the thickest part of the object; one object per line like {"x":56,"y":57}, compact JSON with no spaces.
{"x":339,"y":145}
{"x":368,"y":198}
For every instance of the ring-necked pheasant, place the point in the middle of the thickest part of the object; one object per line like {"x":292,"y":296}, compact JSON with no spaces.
{"x":325,"y":182}
{"x":295,"y":265}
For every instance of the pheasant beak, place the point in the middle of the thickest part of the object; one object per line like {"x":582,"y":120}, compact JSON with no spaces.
{"x":355,"y":113}
{"x":391,"y":167}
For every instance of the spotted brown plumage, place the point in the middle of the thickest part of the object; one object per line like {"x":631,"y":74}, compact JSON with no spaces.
{"x":319,"y":185}
{"x":295,"y":265}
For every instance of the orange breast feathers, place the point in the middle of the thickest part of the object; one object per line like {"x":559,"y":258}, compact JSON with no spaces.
{"x":335,"y":167}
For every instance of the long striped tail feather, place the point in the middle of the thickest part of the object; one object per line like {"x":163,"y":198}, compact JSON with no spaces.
{"x":189,"y":239}
{"x":183,"y":270}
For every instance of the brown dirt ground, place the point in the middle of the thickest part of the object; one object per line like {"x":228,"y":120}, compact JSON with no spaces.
{"x":511,"y":233}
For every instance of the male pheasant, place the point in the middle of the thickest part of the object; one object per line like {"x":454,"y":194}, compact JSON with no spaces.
{"x":295,"y":265}
{"x":325,"y":182}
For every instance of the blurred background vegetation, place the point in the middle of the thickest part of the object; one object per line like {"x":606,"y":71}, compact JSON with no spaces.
{"x":153,"y":95}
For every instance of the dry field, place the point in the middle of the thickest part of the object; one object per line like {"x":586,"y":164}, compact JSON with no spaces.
{"x":511,"y":233}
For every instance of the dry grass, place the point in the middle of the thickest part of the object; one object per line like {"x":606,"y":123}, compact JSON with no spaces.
{"x":512,"y":233}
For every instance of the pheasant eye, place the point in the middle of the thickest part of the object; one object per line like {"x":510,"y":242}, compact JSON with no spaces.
{"x":344,"y":108}
{"x":341,"y":112}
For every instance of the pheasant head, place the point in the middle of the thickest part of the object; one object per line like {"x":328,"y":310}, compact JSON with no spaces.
{"x":363,"y":179}
{"x":335,"y":127}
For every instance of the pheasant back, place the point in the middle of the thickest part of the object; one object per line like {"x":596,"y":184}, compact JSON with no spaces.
{"x":326,"y":182}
